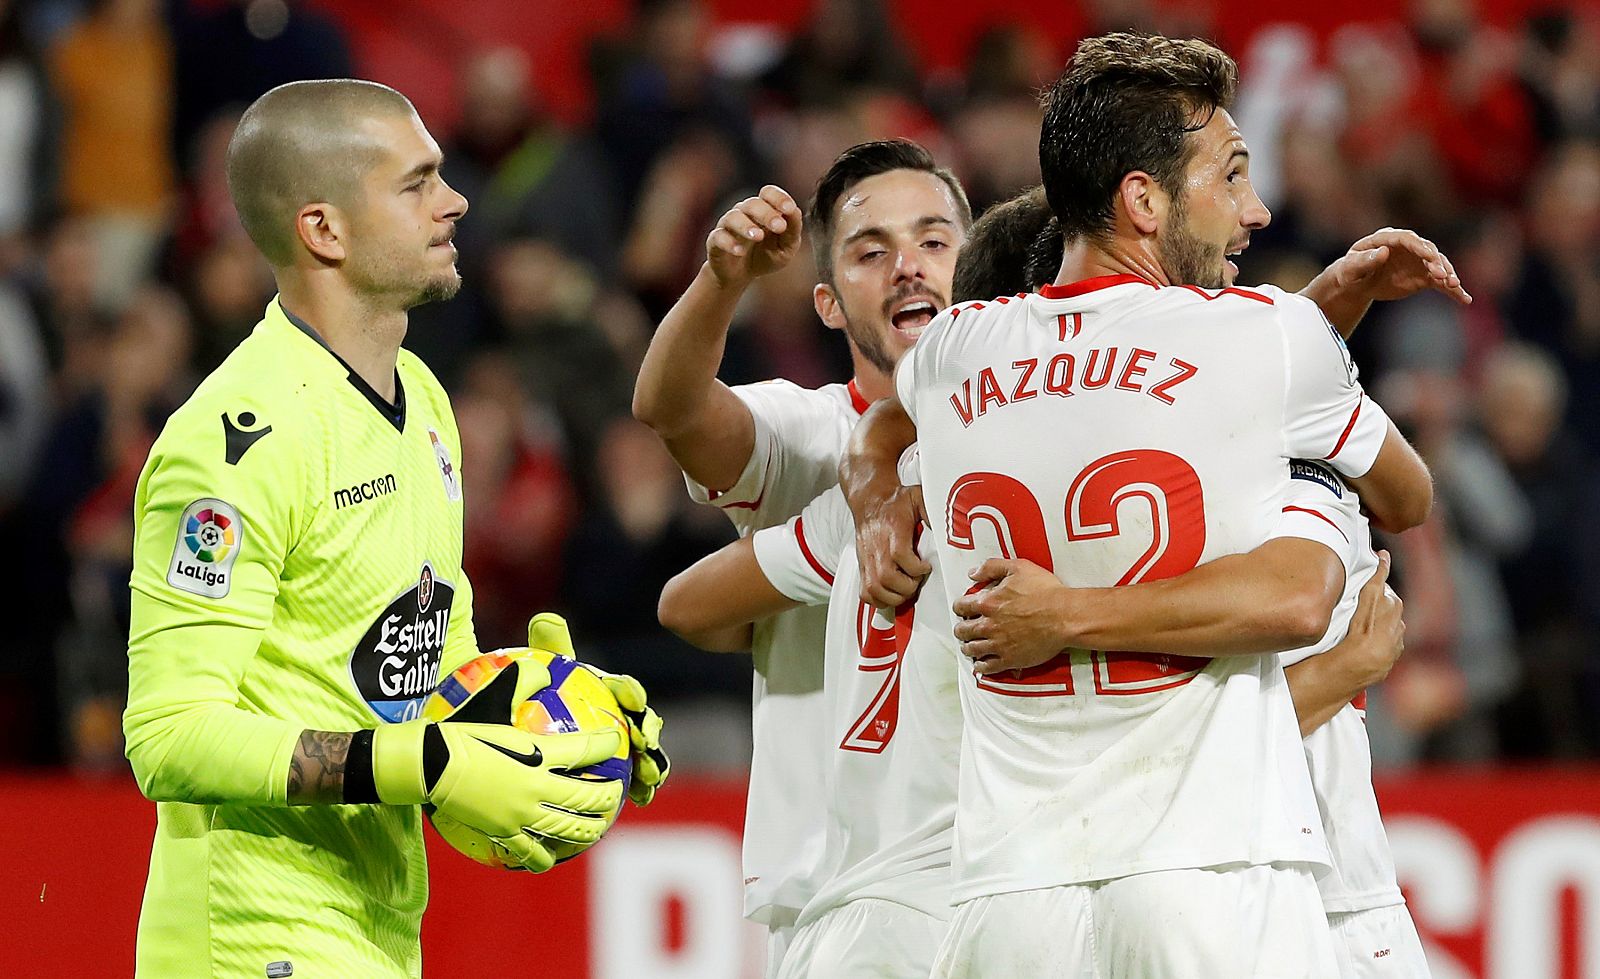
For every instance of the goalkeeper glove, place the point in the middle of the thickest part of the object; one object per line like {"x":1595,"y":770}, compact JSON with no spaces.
{"x":495,"y":778}
{"x":651,"y":766}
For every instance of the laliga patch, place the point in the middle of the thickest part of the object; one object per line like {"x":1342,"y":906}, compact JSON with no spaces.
{"x":441,"y":455}
{"x":1350,"y":371}
{"x":210,"y":534}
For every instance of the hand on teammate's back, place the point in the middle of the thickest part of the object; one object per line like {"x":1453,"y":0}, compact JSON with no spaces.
{"x":757,"y":236}
{"x":1012,"y":617}
{"x":886,"y":547}
{"x":1393,"y":263}
{"x":1377,"y":634}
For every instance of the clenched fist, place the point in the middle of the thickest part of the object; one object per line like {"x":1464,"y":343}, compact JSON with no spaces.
{"x":757,"y":237}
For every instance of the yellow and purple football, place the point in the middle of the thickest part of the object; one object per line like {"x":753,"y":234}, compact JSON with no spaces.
{"x":493,"y":688}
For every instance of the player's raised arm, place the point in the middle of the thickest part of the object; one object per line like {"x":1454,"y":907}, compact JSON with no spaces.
{"x":706,"y":427}
{"x":1390,"y":263}
{"x":1322,"y":685}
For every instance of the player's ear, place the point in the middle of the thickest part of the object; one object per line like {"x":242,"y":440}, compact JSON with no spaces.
{"x":1143,"y":202}
{"x":321,"y":229}
{"x":829,"y":309}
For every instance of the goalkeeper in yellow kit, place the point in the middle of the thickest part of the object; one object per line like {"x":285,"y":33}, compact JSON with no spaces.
{"x":297,"y":586}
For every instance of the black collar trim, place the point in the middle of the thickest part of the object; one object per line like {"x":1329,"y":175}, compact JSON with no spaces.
{"x":394,"y":414}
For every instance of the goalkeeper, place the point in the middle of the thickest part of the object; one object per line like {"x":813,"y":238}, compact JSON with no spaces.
{"x":297,"y":586}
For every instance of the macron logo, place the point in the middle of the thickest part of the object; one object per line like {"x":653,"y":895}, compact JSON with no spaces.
{"x":362,"y":492}
{"x":237,"y":441}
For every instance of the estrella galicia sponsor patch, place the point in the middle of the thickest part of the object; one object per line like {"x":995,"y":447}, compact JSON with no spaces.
{"x":210,"y":535}
{"x":1316,"y":472}
{"x":447,"y":471}
{"x":395,"y":666}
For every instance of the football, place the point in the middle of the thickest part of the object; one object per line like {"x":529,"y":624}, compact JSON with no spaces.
{"x":493,"y":688}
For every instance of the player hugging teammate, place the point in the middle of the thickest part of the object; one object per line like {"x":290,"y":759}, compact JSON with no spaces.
{"x":1137,"y":456}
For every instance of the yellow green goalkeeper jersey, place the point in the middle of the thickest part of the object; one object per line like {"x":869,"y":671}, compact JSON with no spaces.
{"x":297,"y":564}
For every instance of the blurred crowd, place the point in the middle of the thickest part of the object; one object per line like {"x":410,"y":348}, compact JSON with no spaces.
{"x":125,"y":277}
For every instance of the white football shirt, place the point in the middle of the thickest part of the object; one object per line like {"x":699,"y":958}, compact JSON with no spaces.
{"x":893,"y":715}
{"x":1338,"y":753}
{"x":1115,"y":432}
{"x":800,"y":435}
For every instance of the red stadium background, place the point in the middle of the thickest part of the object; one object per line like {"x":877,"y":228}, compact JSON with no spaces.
{"x":1502,"y":870}
{"x":423,"y":60}
{"x":1501,"y":864}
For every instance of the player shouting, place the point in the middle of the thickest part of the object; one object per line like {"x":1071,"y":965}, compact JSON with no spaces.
{"x":297,"y":584}
{"x":885,"y":227}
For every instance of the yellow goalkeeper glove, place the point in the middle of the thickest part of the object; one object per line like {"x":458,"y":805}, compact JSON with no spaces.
{"x":651,"y":766}
{"x":504,"y":782}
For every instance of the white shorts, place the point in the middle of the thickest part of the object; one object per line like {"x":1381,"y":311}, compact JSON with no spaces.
{"x":1379,"y":943}
{"x":865,"y":939}
{"x":1259,"y":922}
{"x":780,"y":936}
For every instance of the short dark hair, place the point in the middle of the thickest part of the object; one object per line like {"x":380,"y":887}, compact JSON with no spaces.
{"x":1014,"y":247}
{"x":856,"y":164}
{"x":1126,"y":102}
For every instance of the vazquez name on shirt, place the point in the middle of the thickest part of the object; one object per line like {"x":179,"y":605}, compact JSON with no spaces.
{"x":1102,"y":764}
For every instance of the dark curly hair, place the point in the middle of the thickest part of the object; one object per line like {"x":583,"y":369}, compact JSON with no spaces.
{"x":1014,"y":247}
{"x":1126,"y":102}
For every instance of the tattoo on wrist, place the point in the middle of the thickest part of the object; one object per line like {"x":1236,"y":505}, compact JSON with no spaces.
{"x":316,"y":772}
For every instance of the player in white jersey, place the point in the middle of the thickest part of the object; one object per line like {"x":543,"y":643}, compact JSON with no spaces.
{"x":1125,"y":813}
{"x":891,"y":717}
{"x":1373,"y":933}
{"x":892,"y":795}
{"x":889,"y":227}
{"x":886,"y":224}
{"x":893,"y":724}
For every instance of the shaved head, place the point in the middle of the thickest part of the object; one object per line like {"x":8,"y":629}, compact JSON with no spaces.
{"x":304,"y":143}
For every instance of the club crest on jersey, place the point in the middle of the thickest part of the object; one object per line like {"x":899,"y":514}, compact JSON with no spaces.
{"x":395,"y":666}
{"x":425,"y":589}
{"x":210,"y":535}
{"x":452,"y":483}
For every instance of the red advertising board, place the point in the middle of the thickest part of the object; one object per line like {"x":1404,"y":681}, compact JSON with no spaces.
{"x":1502,"y":870}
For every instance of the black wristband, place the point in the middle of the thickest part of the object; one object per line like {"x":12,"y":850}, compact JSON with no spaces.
{"x":359,"y":788}
{"x":435,"y":755}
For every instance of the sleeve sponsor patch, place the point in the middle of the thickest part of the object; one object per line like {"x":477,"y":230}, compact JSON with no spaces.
{"x":1316,"y":472}
{"x":210,"y":535}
